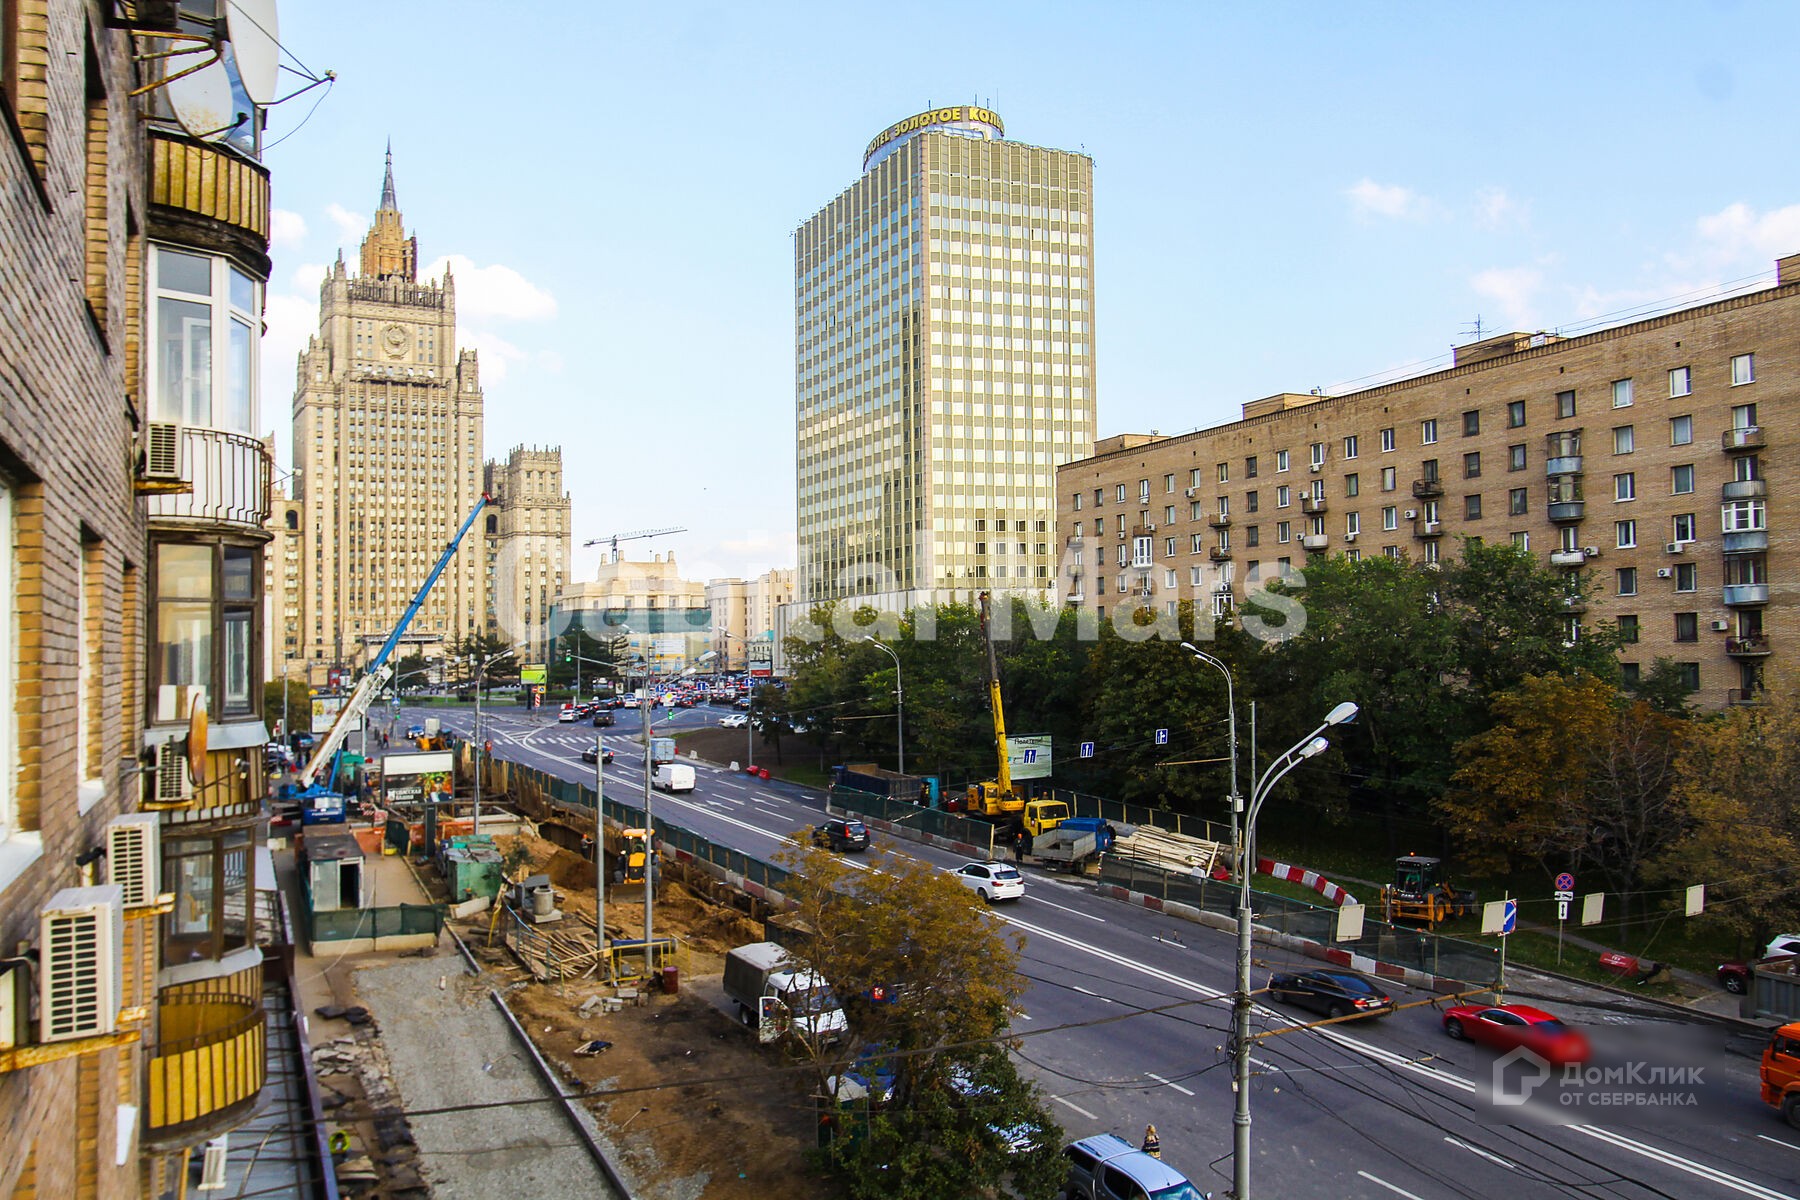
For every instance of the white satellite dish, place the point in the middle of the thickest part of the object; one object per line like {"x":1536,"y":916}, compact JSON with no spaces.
{"x":254,"y":34}
{"x":202,"y":102}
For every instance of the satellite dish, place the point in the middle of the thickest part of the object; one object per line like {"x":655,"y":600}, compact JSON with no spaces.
{"x":196,"y":740}
{"x":254,"y":37}
{"x":202,"y":102}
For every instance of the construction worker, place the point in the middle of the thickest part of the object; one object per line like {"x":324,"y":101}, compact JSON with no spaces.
{"x":1152,"y":1143}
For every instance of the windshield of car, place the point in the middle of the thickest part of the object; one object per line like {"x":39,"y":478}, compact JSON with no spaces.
{"x":1180,"y":1191}
{"x":811,"y":1001}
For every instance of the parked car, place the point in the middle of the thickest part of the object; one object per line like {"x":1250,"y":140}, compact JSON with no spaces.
{"x":733,"y":721}
{"x":1107,"y":1167}
{"x":1333,"y":993}
{"x":589,"y":754}
{"x":1734,"y":976}
{"x":841,"y":833}
{"x":991,"y":880}
{"x":1508,"y":1026}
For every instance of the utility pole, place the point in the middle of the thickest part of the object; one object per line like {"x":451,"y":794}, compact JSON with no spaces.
{"x":649,"y":823}
{"x":600,"y":853}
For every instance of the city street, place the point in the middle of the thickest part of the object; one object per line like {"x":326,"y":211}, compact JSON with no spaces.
{"x":1385,"y":1110}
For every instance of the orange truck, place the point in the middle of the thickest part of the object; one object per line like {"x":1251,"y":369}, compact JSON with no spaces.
{"x":1781,"y":1072}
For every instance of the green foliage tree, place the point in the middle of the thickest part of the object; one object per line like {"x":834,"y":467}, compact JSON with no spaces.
{"x":1665,"y":688}
{"x":299,"y":702}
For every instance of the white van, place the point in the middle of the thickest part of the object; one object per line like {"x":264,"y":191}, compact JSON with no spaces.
{"x":675,"y":777}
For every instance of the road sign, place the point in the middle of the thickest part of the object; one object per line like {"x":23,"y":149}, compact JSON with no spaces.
{"x":1499,"y":916}
{"x":1562,"y":910}
{"x":1162,"y":737}
{"x":1087,"y":749}
{"x":1565,"y":882}
{"x":1510,"y":921}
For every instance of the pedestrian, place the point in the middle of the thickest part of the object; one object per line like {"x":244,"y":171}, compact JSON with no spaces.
{"x":924,"y":794}
{"x":1152,"y":1144}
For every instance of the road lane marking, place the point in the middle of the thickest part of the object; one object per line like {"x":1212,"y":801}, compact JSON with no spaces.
{"x":1765,"y":1137}
{"x":1168,"y":1083}
{"x":1398,"y":1191}
{"x":1065,"y":908}
{"x":1479,"y":1152}
{"x":1084,"y":1112}
{"x":1700,"y":1170}
{"x":1095,"y":995}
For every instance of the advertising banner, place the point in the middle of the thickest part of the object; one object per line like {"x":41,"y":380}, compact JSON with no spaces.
{"x":324,"y":711}
{"x":532,"y":673}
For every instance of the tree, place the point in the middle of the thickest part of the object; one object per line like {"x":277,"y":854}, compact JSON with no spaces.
{"x":1665,"y":688}
{"x":299,"y":702}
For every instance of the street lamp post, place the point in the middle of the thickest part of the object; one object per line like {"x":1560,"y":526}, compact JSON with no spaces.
{"x":750,"y":711}
{"x":480,"y":678}
{"x":1237,"y":801}
{"x":899,"y":699}
{"x":1299,"y":752}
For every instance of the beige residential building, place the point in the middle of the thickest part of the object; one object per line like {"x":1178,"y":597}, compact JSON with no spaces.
{"x":943,"y":361}
{"x":664,"y":619}
{"x":387,"y":419}
{"x":743,"y":614}
{"x":527,"y":535}
{"x":1649,"y":459}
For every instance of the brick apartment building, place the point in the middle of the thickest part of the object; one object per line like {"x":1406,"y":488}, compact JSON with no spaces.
{"x":1647,"y":460}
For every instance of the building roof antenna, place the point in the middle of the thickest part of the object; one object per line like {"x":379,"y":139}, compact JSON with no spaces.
{"x":1478,"y":329}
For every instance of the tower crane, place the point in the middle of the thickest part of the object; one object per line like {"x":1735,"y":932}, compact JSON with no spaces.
{"x":634,"y":535}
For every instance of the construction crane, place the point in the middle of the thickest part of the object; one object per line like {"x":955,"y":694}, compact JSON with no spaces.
{"x":994,"y":798}
{"x":634,"y":535}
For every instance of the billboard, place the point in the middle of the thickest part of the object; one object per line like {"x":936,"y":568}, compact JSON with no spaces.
{"x":532,"y":673}
{"x":759,"y":656}
{"x":325,"y":710}
{"x":410,"y":777}
{"x":1028,"y":755}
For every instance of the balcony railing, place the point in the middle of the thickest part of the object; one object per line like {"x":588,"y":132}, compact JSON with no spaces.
{"x":1427,"y":489}
{"x":1311,"y":504}
{"x":1751,"y":645}
{"x":1567,"y":510}
{"x":1568,"y":558}
{"x":1746,"y":489}
{"x":211,"y":1060}
{"x":1750,"y":438}
{"x":230,"y":474}
{"x":1218,"y":554}
{"x":1746,"y":593}
{"x":1316,"y":541}
{"x":1219,"y":520}
{"x":1565,"y":464}
{"x":1748,"y":541}
{"x":1428,"y":529}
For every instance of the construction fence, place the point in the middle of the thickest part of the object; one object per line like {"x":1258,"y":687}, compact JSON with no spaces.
{"x":952,"y":827}
{"x":393,"y":921}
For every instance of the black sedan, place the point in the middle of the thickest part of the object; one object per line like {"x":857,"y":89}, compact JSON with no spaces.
{"x":589,"y":754}
{"x":1332,"y":993}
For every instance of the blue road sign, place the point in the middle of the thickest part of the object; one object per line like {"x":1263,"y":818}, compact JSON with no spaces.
{"x":1511,"y":921}
{"x":1162,"y":737}
{"x":1087,"y":749}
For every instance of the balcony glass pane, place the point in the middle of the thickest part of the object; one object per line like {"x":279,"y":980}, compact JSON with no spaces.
{"x":237,"y":416}
{"x":184,"y":358}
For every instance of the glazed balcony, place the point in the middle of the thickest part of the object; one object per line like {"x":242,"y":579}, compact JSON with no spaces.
{"x":208,"y":1065}
{"x":1746,"y":489}
{"x":1567,"y":510}
{"x":1566,"y":464}
{"x":230,"y":476}
{"x":1750,"y":645}
{"x":1749,"y":541}
{"x":1746,"y":593}
{"x":1749,"y":438}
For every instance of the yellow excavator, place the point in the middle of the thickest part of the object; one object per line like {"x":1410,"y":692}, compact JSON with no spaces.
{"x":994,"y":799}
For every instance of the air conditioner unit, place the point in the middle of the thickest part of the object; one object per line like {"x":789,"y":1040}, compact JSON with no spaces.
{"x":1412,"y":514}
{"x":1189,"y":493}
{"x":1431,"y":525}
{"x":1315,"y":468}
{"x":162,"y":451}
{"x":1591,"y":551}
{"x":1721,"y":626}
{"x":212,"y":1166}
{"x":81,"y":948}
{"x":131,"y":857}
{"x":1672,"y":548}
{"x":1349,"y":537}
{"x":170,"y":777}
{"x":1664,"y":573}
{"x":1149,"y":529}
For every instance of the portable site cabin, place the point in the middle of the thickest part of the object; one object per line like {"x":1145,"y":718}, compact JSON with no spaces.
{"x":333,"y":868}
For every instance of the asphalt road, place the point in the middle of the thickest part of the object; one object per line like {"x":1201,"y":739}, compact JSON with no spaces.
{"x":1382,"y":1110}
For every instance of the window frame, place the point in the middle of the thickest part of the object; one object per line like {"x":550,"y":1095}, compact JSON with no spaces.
{"x":1679,"y":425}
{"x":223,"y":611}
{"x":1625,"y":534}
{"x":1748,"y":375}
{"x":223,"y":315}
{"x":1623,"y":393}
{"x":1686,"y":376}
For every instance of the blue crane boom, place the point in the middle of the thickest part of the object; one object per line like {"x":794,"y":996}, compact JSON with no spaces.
{"x":378,"y":671}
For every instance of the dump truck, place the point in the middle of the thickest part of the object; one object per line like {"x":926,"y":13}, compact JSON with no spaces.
{"x":879,"y":781}
{"x":1780,"y":1072}
{"x":775,"y":996}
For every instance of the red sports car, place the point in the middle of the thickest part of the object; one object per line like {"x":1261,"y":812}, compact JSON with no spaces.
{"x":1508,"y":1026}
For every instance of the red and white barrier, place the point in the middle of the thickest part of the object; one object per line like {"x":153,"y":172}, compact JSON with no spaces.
{"x":1305,"y":878}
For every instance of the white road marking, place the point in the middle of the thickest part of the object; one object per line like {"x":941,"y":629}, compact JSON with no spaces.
{"x":1168,"y":1083}
{"x":1095,"y":995}
{"x":1765,"y":1137}
{"x":1398,"y":1191}
{"x":1084,"y":1112}
{"x":1479,"y":1152}
{"x":1065,"y":908}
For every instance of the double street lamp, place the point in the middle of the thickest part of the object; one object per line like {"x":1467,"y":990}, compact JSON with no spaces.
{"x":900,"y":700}
{"x":481,"y":670}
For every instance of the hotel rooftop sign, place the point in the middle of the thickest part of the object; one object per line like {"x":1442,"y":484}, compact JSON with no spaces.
{"x":984,"y":121}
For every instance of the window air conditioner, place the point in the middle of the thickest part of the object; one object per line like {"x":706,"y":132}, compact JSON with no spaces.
{"x":131,"y":857}
{"x":1720,"y":626}
{"x":1591,"y":551}
{"x":162,"y":451}
{"x":1672,"y":548}
{"x":81,"y":947}
{"x":1149,"y":529}
{"x":1189,"y":493}
{"x":1412,"y":514}
{"x":172,"y":784}
{"x":1349,"y":537}
{"x":1664,"y":573}
{"x":1315,"y":468}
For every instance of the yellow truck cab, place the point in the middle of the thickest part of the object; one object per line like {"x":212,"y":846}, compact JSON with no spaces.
{"x":1781,"y":1072}
{"x":1041,"y":816}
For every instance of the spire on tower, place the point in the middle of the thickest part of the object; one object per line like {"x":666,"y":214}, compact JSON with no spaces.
{"x":388,"y":202}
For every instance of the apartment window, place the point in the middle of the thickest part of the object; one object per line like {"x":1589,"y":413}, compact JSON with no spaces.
{"x":1690,"y":675}
{"x":1631,"y":673}
{"x":1625,"y":581}
{"x":1252,"y":535}
{"x":1625,"y":486}
{"x":1568,"y":538}
{"x":1143,"y":491}
{"x":1352,"y":522}
{"x":1431,"y":552}
{"x":1428,"y":470}
{"x":1195,"y":511}
{"x":1121,"y":522}
{"x":210,"y":877}
{"x":1194,"y":477}
{"x":1224,"y":506}
{"x":1565,"y":405}
{"x":1250,"y":466}
{"x":1681,"y":479}
{"x":1120,"y":493}
{"x":1471,"y":422}
{"x":1250,"y":501}
{"x":1472,"y":508}
{"x":1317,"y":454}
{"x":1352,"y":485}
{"x":1515,"y":415}
{"x":1350,"y":446}
{"x":1743,"y":416}
{"x":1681,"y":431}
{"x":1224,"y":472}
{"x":1225,"y":539}
{"x":1518,"y":502}
{"x":1621,"y":393}
{"x":1390,"y":551}
{"x":1387,"y":439}
{"x":1168,"y":483}
{"x":1682,"y":525}
{"x":1353,"y":555}
{"x":1687,"y":627}
{"x":1281,"y":460}
{"x":1625,"y":534}
{"x":1283,"y":496}
{"x":1077,"y":501}
{"x":1170,"y":579}
{"x":1099,"y":497}
{"x":1197,"y":543}
{"x":1687,"y":577}
{"x":1169,"y":550}
{"x":1743,"y":516}
{"x":1743,"y":369}
{"x":1389,"y":479}
{"x":1681,"y":381}
{"x":1472,"y":465}
{"x":1515,"y":457}
{"x":1283,"y":531}
{"x":1628,"y":629}
{"x":203,"y":344}
{"x":1390,"y":517}
{"x":1521,"y":540}
{"x":1428,"y":431}
{"x":1744,"y":468}
{"x":1141,"y":551}
{"x":1168,"y":514}
{"x":1624,"y":439}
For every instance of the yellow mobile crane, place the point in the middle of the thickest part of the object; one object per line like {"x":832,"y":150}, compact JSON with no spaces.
{"x":994,"y":798}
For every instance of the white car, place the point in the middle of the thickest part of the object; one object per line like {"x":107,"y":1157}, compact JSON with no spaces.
{"x":733,"y":721}
{"x":567,"y":714}
{"x":991,"y":880}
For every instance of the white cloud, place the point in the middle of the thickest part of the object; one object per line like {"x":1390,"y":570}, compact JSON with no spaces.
{"x":1494,"y":209}
{"x":1514,"y":289}
{"x":1738,"y":232}
{"x":307,"y":276}
{"x":496,"y":291}
{"x":286,"y":229}
{"x":290,"y":320}
{"x":350,"y":226}
{"x":1387,"y":200}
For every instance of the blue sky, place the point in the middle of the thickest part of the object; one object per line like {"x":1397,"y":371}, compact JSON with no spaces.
{"x":1287,"y":196}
